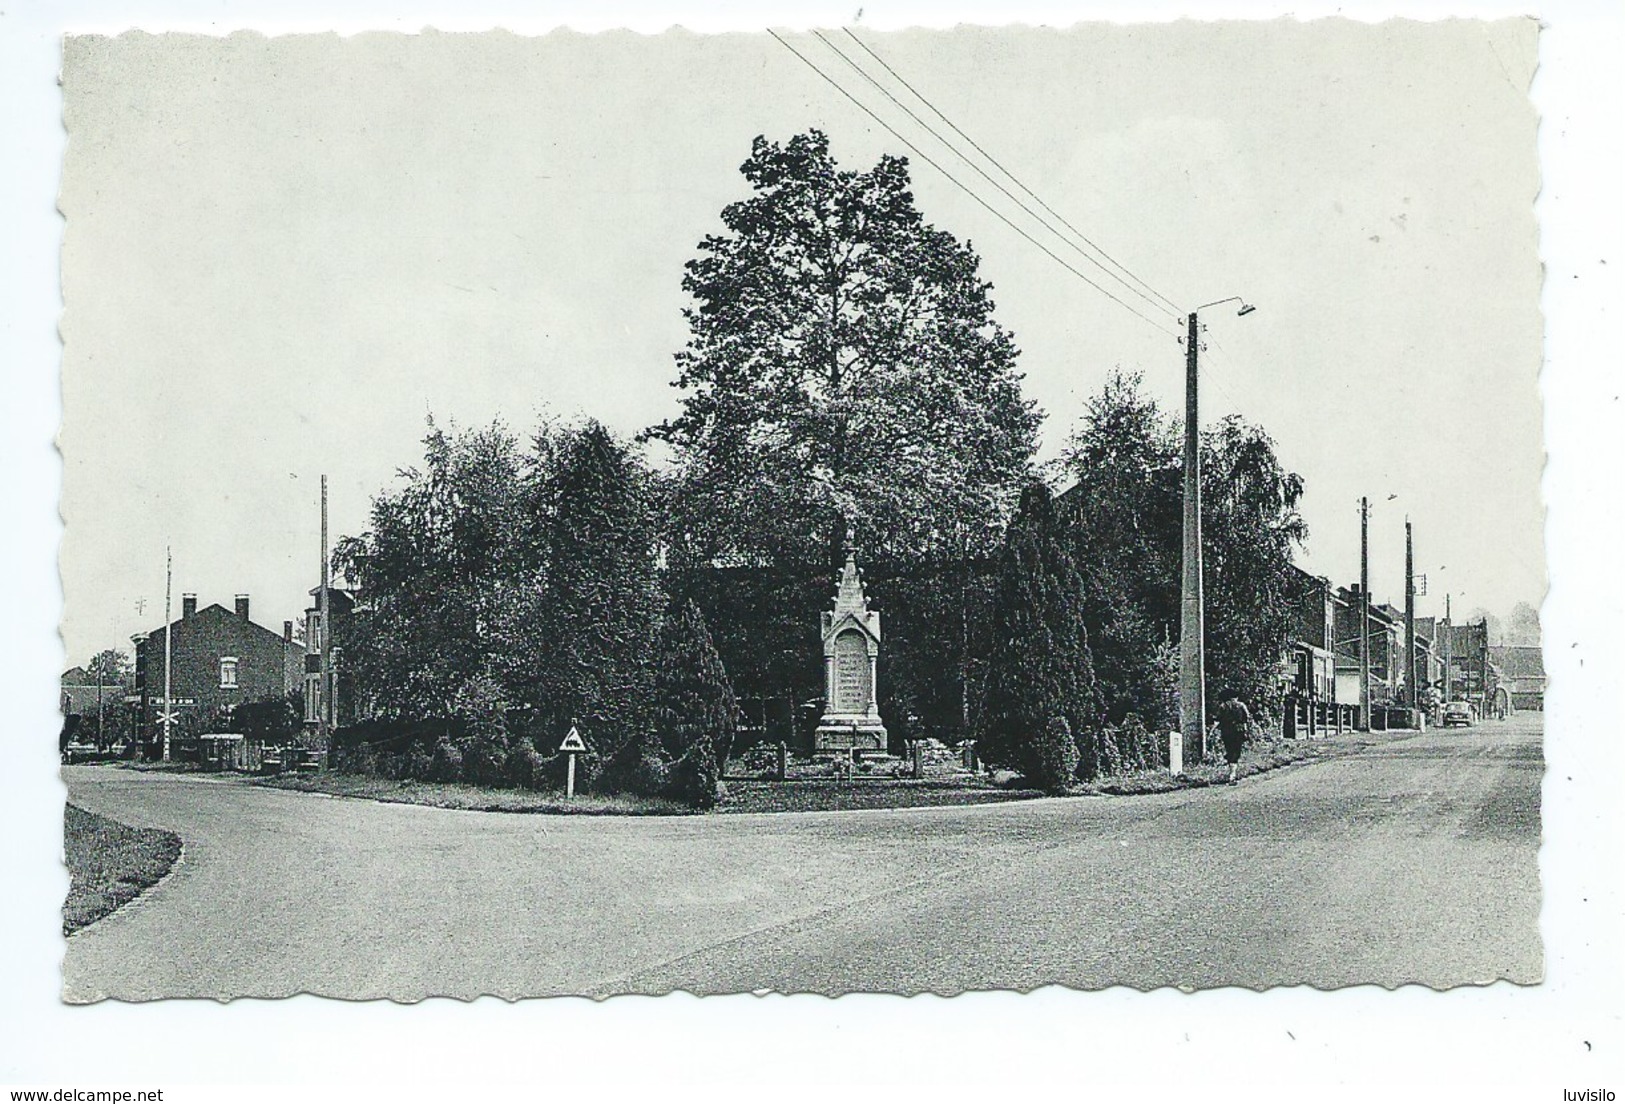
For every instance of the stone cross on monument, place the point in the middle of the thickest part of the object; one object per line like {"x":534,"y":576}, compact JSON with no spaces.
{"x":851,"y":631}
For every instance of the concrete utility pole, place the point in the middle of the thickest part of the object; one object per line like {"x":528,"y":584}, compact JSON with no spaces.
{"x":1365,"y":617}
{"x":168,"y":715}
{"x":1449,"y":668}
{"x":1192,"y":676}
{"x":323,"y":641}
{"x":1192,"y":653}
{"x":1412,"y":697}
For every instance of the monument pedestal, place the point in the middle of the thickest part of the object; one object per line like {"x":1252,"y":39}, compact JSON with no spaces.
{"x":851,"y":631}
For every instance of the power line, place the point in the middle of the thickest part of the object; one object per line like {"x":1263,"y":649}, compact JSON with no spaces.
{"x":1012,"y":176}
{"x":962,"y":187}
{"x":983,"y":173}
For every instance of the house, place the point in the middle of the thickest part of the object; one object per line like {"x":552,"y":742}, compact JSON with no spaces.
{"x":1470,"y":677}
{"x":340,"y":691}
{"x":1522,"y":674}
{"x":1315,"y":700}
{"x":220,"y":659}
{"x":1387,"y":644}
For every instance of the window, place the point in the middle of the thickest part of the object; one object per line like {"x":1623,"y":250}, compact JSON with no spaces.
{"x":228,"y":672}
{"x":313,"y":698}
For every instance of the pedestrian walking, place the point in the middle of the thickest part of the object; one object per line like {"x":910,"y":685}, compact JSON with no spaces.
{"x":1234,"y":720}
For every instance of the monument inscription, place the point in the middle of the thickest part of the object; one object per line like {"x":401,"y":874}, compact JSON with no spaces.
{"x":851,"y":673}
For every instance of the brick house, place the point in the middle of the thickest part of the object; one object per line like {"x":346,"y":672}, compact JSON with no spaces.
{"x":221,"y":658}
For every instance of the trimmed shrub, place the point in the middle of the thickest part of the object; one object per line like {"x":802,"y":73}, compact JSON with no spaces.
{"x":1053,"y":757}
{"x":1108,"y":759}
{"x":694,"y":778}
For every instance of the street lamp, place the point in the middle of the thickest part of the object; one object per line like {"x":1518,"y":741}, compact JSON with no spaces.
{"x":1192,"y":679}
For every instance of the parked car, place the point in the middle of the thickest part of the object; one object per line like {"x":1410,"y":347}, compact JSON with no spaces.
{"x":1457,"y":713}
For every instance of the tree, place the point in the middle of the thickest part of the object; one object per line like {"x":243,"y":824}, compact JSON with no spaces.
{"x":1120,"y":514}
{"x":1040,"y":667}
{"x":1250,"y":526}
{"x":599,"y":606}
{"x":109,"y":718}
{"x":1125,"y":514}
{"x":843,"y":371}
{"x":427,"y":575}
{"x":695,"y":711}
{"x":503,"y":595}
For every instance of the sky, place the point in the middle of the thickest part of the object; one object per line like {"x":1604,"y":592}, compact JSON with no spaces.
{"x":1500,"y":1042}
{"x":282,"y":255}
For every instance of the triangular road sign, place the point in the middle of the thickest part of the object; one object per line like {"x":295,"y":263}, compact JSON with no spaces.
{"x":573,"y":742}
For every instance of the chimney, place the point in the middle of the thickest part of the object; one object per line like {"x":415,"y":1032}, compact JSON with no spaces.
{"x":242,"y":606}
{"x":188,"y":605}
{"x":287,"y":632}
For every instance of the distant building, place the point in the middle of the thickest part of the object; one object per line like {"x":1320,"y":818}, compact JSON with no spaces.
{"x":221,"y":659}
{"x":1523,"y":674}
{"x":1471,"y":675}
{"x":341,"y":691}
{"x":1316,"y":700}
{"x":1387,"y":644}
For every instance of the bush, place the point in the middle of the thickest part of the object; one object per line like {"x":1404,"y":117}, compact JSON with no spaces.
{"x":526,"y":768}
{"x":1108,"y":759}
{"x":1137,"y":747}
{"x":419,"y":763}
{"x":641,"y":771}
{"x":1053,"y":757}
{"x":761,"y":759}
{"x":694,"y":778}
{"x":447,"y":764}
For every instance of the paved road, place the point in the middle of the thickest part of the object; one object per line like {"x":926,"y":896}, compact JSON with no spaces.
{"x":1412,"y":861}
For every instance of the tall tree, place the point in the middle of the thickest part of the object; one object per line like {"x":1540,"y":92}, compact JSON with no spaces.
{"x":843,"y":371}
{"x":695,"y":710}
{"x":427,"y":573}
{"x":1125,"y":516}
{"x":601,"y":603}
{"x":1124,"y":505}
{"x":1039,"y":668}
{"x":843,"y":368}
{"x":1250,"y":527}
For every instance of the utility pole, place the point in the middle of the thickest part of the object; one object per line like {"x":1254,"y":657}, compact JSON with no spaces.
{"x":1449,"y":643}
{"x":1412,"y":697}
{"x":1365,"y":617}
{"x":1192,"y":679}
{"x":168,"y":715}
{"x":323,"y":641}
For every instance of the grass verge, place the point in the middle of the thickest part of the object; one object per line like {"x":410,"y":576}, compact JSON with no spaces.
{"x":109,"y":864}
{"x":462,"y":795}
{"x":829,"y":796}
{"x":801,"y":796}
{"x":1255,"y":759}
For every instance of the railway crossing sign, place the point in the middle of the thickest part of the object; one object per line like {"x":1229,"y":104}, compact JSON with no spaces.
{"x":573,"y":743}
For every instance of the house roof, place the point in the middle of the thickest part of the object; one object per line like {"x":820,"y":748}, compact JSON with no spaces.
{"x":214,"y":610}
{"x":1518,"y":661}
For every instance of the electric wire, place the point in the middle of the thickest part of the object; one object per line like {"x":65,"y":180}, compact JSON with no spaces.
{"x":967,"y":190}
{"x":1012,"y":176}
{"x":1040,"y":219}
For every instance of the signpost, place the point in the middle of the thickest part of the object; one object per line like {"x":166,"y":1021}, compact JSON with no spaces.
{"x":572,"y":744}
